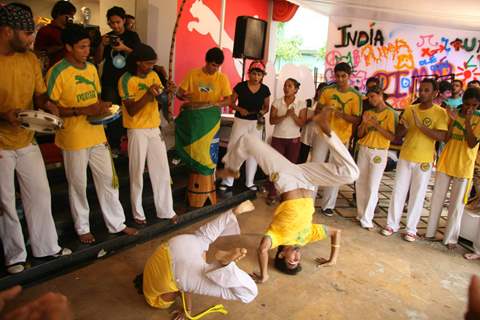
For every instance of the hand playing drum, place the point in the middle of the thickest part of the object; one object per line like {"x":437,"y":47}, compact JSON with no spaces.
{"x":107,"y":113}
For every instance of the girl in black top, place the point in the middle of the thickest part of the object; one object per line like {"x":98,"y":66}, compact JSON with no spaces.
{"x":114,"y":48}
{"x":251,"y":100}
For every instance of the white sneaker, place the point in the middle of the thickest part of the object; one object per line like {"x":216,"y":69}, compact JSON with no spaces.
{"x":16,"y":268}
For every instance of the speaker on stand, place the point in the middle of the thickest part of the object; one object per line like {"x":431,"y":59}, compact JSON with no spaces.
{"x":250,"y":38}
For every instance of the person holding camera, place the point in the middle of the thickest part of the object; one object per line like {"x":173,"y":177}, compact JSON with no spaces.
{"x":113,"y":50}
{"x":48,"y":41}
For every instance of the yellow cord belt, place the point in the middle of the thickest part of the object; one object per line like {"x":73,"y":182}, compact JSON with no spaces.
{"x":216,"y":308}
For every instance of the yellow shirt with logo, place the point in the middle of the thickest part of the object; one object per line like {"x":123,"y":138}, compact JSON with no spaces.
{"x":158,"y":278}
{"x":20,"y":78}
{"x":417,"y":147}
{"x":134,"y":88}
{"x":387,"y":118}
{"x":205,"y":87}
{"x":457,"y":158}
{"x":349,"y":102}
{"x":72,"y":87}
{"x":292,"y":224}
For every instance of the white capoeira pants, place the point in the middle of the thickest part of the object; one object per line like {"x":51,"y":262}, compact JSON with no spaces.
{"x":148,"y":145}
{"x":99,"y":159}
{"x":455,"y":208}
{"x":241,"y":127}
{"x":372,"y":163}
{"x":288,"y":176}
{"x":194,"y":275}
{"x":414,"y":177}
{"x":320,"y":153}
{"x":36,"y":201}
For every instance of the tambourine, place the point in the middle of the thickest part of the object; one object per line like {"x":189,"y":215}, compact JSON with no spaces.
{"x":113,"y":114}
{"x":39,"y":121}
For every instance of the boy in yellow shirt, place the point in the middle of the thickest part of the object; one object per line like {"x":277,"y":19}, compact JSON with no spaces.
{"x":347,"y":105}
{"x":374,"y":133}
{"x":74,"y":86}
{"x":292,"y":226}
{"x":22,"y":86}
{"x":138,"y":88}
{"x":422,"y":124}
{"x":455,"y":166}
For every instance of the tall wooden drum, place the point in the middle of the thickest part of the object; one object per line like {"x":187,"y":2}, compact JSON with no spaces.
{"x":200,"y":189}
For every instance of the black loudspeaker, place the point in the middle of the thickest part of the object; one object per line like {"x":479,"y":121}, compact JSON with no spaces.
{"x":250,"y":36}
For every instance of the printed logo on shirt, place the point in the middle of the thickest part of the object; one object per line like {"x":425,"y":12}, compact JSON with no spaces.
{"x":92,"y":94}
{"x":427,"y":122}
{"x":142,"y":86}
{"x":205,"y":88}
{"x":339,"y":100}
{"x":425,"y":166}
{"x":377,"y":159}
{"x":274,"y":177}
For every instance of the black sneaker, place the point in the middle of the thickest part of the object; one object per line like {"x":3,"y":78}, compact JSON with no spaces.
{"x":328,"y":212}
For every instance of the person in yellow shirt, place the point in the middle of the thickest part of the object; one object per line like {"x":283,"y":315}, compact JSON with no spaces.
{"x":206,"y":86}
{"x":421,"y":124}
{"x":292,"y":226}
{"x":138,"y":88}
{"x":375,"y":132}
{"x":455,"y":167}
{"x":73,"y":85}
{"x":181,"y":267}
{"x":21,"y":87}
{"x":347,"y":103}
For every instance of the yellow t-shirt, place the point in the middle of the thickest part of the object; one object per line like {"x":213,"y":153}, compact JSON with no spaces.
{"x":349,"y":102}
{"x":292,"y":224}
{"x":72,"y":87}
{"x":20,"y":78}
{"x":387,"y":119}
{"x":158,"y":278}
{"x":457,"y":158}
{"x":134,"y":88}
{"x":417,"y":147}
{"x":205,"y":87}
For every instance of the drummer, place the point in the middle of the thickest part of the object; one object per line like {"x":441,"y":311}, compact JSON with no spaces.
{"x":18,"y":150}
{"x":206,"y":86}
{"x":138,"y":88}
{"x":74,"y":86}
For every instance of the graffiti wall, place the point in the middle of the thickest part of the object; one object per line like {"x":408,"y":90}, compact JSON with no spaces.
{"x":398,"y":53}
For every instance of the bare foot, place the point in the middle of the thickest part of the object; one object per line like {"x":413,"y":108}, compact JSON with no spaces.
{"x":451,"y":246}
{"x":138,"y":221}
{"x":174,"y":219}
{"x":471,"y":256}
{"x":258,"y":278}
{"x":226,"y":173}
{"x":225,"y":257}
{"x":86,"y":238}
{"x":245,"y":206}
{"x":130,"y":231}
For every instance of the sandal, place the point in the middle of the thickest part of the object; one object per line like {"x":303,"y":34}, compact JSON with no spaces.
{"x":16,"y":268}
{"x":224,"y":187}
{"x":252,"y":188}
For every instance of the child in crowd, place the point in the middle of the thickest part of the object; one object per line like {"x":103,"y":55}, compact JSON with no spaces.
{"x":375,"y":133}
{"x":138,"y":88}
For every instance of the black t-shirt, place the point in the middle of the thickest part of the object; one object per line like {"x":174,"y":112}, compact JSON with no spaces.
{"x":111,"y":74}
{"x":253,"y":102}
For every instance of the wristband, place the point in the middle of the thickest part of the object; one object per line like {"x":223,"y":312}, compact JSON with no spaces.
{"x":335,"y":245}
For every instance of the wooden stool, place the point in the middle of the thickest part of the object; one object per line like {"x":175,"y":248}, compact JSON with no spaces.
{"x":200,"y":189}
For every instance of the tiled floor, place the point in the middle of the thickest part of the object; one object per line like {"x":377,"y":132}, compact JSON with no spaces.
{"x":346,"y":206}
